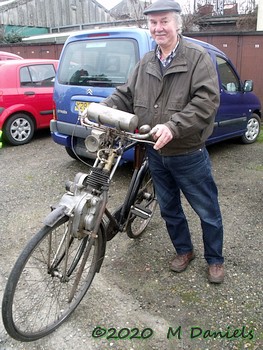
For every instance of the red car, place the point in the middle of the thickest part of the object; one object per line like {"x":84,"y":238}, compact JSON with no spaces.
{"x":26,"y":98}
{"x":9,"y":56}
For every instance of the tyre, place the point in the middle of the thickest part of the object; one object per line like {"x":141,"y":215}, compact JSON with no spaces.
{"x":145,"y":201}
{"x":47,"y":283}
{"x":78,"y":157}
{"x":19,"y":129}
{"x":71,"y":153}
{"x":253,"y":129}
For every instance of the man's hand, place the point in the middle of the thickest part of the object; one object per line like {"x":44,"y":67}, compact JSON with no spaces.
{"x":162,"y":135}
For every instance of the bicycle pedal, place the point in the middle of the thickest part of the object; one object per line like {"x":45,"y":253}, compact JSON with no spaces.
{"x":141,"y":211}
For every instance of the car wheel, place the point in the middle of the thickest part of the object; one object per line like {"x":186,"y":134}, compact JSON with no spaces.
{"x":19,"y":129}
{"x":253,"y":129}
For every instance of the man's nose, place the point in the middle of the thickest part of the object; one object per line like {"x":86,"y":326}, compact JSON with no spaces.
{"x":159,"y":27}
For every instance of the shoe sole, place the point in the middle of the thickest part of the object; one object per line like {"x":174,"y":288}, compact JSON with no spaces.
{"x":181,"y":270}
{"x":215,"y":280}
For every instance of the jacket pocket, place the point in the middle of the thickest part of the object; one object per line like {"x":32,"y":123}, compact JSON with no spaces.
{"x":173,"y":107}
{"x":142,"y":110}
{"x":140,"y":103}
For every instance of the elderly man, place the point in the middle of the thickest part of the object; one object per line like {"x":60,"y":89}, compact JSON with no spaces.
{"x":175,"y":90}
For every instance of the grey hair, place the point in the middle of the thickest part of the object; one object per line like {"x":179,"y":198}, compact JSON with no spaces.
{"x":178,"y":21}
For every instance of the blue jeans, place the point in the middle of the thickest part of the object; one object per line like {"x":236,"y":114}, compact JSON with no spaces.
{"x":191,"y":175}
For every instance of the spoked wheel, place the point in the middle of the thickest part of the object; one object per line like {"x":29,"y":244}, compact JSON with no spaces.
{"x":143,"y":208}
{"x":48,"y":281}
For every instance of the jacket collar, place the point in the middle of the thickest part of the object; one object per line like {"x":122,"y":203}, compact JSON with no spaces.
{"x":178,"y":64}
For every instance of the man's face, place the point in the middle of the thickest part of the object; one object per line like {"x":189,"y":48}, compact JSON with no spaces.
{"x":163,"y":29}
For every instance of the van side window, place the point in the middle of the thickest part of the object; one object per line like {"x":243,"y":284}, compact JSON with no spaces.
{"x":229,"y":80}
{"x":100,"y":62}
{"x":41,"y":75}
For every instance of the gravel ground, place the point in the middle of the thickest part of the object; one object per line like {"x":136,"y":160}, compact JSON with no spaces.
{"x":135,"y":288}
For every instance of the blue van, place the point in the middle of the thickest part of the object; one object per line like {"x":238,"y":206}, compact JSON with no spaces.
{"x":94,"y":62}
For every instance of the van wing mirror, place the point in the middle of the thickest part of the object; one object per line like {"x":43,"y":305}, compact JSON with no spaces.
{"x":248,"y":86}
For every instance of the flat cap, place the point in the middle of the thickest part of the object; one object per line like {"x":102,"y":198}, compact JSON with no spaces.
{"x":163,"y":6}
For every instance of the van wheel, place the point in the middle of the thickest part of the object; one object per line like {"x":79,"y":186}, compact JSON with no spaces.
{"x":82,"y":159}
{"x":71,"y":153}
{"x":19,"y":129}
{"x":253,"y":129}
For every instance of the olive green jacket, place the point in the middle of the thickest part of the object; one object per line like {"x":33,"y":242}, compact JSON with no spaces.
{"x":185,"y":97}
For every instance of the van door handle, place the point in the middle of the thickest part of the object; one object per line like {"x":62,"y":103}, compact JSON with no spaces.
{"x":29,"y":93}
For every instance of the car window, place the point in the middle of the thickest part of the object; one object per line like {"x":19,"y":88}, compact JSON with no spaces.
{"x":98,"y":62}
{"x":37,"y":75}
{"x":228,"y":77}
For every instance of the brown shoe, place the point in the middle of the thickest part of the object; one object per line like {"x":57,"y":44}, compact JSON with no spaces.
{"x":216,"y":273}
{"x":180,"y":262}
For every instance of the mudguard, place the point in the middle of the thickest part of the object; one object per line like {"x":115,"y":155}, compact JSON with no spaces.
{"x":55,"y":215}
{"x":59,"y":212}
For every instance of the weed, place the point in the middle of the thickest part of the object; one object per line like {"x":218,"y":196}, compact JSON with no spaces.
{"x":260,"y":137}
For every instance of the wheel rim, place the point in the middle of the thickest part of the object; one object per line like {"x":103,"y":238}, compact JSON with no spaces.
{"x":252,"y":129}
{"x":20,"y":129}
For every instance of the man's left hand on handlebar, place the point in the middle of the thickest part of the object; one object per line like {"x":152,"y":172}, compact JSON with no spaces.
{"x":162,"y":135}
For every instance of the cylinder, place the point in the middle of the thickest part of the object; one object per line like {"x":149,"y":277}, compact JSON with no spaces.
{"x":112,"y":117}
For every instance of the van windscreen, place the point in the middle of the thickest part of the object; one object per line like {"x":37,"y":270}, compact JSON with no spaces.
{"x":102,"y":62}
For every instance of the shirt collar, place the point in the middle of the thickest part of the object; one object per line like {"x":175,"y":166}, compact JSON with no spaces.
{"x":165,"y":62}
